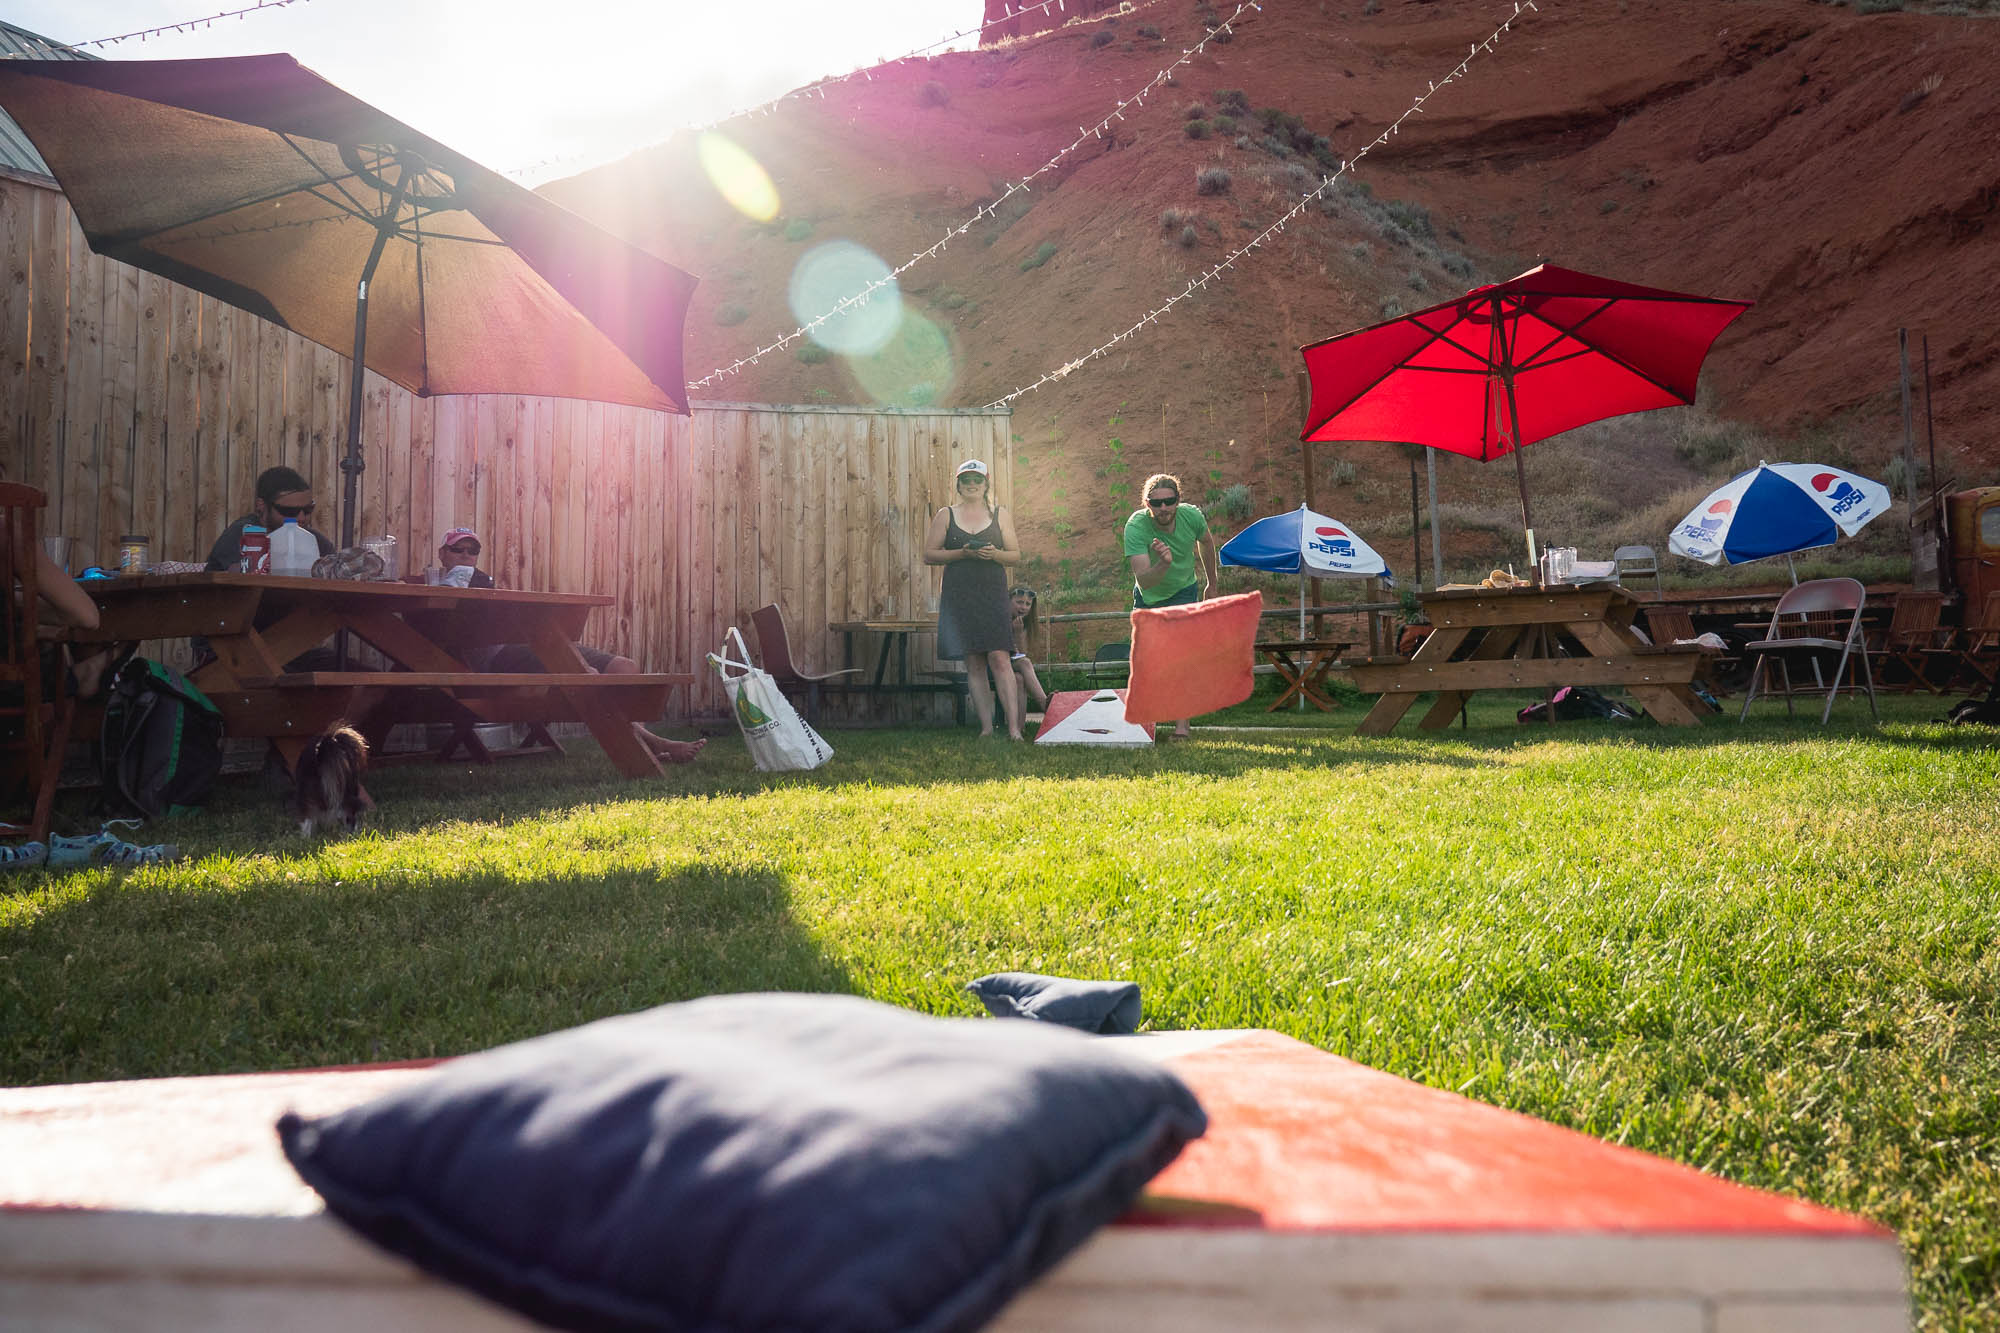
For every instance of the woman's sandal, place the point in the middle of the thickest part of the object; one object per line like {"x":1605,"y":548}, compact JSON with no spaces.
{"x":24,"y":856}
{"x":104,"y":848}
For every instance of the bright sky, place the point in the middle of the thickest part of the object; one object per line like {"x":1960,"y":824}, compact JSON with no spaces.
{"x":534,"y":90}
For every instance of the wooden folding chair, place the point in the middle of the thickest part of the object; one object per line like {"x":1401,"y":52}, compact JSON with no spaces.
{"x":1907,"y":643}
{"x":33,"y":729}
{"x":1974,"y":653}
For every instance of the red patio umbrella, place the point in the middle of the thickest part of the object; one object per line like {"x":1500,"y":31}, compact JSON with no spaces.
{"x":1506,"y":365}
{"x":256,"y":181}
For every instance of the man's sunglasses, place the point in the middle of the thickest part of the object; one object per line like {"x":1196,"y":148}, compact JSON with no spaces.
{"x":464,"y":548}
{"x":296,"y":511}
{"x":1162,"y":504}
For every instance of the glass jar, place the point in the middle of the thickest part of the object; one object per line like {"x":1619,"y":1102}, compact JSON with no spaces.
{"x":134,"y":554}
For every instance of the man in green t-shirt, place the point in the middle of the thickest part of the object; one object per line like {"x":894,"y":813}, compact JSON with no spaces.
{"x":1164,"y":543}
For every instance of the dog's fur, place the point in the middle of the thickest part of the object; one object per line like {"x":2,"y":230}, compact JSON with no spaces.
{"x":327,"y":781}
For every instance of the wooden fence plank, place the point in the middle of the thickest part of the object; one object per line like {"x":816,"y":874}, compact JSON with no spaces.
{"x":119,"y":332}
{"x":81,"y":434}
{"x":180,"y":539}
{"x":241,"y":374}
{"x":213,"y":498}
{"x":424,"y":533}
{"x":17,"y":263}
{"x":48,"y":359}
{"x":151,"y":442}
{"x":271,"y":442}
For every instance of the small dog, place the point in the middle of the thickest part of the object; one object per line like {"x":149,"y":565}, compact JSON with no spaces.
{"x":327,"y":781}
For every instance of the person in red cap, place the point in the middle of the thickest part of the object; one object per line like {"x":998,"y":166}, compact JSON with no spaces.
{"x":460,"y":551}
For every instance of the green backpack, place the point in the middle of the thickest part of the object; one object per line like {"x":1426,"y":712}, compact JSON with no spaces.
{"x":161,"y":747}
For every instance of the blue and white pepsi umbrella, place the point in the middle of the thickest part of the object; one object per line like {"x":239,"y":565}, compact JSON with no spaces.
{"x":1776,"y":509}
{"x":1303,"y":542}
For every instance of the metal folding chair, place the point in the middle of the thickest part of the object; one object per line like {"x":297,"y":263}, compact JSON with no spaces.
{"x":1806,"y":627}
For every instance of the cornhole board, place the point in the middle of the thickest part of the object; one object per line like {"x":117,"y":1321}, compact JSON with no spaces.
{"x":1326,"y":1196}
{"x":1090,"y":717}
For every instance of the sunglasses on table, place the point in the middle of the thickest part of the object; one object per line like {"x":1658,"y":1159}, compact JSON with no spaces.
{"x":296,"y":511}
{"x":1170,"y":501}
{"x":464,"y":548}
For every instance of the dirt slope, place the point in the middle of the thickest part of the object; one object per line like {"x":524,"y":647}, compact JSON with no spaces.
{"x":1841,"y":170}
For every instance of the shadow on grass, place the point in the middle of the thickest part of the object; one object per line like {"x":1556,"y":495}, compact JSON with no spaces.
{"x":193,"y":976}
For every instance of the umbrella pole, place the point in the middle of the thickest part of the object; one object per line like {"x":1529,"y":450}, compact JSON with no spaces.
{"x":1302,"y":602}
{"x":1520,"y":471}
{"x":352,"y":465}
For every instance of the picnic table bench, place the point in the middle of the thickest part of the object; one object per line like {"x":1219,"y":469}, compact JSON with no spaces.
{"x":1521,"y":633}
{"x":1325,"y":1195}
{"x":255,"y":624}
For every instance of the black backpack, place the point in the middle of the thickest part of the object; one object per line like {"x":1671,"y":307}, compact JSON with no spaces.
{"x":161,"y":746}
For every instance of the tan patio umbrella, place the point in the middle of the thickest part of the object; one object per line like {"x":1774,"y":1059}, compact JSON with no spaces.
{"x":256,"y":181}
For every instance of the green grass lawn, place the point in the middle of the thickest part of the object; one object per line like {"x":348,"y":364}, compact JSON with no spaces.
{"x":1771,"y":951}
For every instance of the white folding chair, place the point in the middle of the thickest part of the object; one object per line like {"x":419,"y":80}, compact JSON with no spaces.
{"x":1793,"y":636}
{"x":1638,"y":561}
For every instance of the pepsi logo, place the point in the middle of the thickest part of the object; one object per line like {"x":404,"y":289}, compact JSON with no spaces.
{"x":1823,"y":480}
{"x":1722,"y":506}
{"x":1329,"y":532}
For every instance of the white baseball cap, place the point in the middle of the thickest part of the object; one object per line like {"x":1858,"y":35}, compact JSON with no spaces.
{"x":970,"y":465}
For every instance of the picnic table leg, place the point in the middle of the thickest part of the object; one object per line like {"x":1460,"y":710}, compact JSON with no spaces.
{"x":1669,"y":705}
{"x":1281,"y":662}
{"x":1498,"y":643}
{"x":612,"y":730}
{"x":1390,"y":707}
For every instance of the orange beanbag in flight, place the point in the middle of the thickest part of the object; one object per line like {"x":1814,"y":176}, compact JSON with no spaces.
{"x":1189,"y":660}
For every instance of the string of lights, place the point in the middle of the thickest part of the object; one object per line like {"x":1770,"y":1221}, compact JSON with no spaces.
{"x":185,"y":25}
{"x":1084,"y":134}
{"x":817,"y":89}
{"x":1214,"y":274}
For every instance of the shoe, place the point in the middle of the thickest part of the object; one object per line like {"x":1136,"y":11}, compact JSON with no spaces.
{"x":24,"y":856}
{"x":105,"y":848}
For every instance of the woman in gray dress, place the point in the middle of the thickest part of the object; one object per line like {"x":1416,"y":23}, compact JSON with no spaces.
{"x":974,"y":541}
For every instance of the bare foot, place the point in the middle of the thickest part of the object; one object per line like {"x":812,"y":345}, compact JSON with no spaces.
{"x":674,"y":752}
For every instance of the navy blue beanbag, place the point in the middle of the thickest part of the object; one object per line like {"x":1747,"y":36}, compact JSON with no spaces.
{"x":1107,"y":1007}
{"x":754,"y":1162}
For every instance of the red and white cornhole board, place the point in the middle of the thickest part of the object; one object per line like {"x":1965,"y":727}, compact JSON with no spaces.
{"x":1090,"y":717}
{"x":1326,"y":1195}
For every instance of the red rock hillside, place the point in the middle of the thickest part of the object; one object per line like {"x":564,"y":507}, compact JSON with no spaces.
{"x":1838,"y":168}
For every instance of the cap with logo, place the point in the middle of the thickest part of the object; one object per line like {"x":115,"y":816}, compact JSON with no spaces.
{"x":972,"y":465}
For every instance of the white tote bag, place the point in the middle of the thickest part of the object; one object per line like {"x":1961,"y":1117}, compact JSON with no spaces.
{"x":778,"y":738}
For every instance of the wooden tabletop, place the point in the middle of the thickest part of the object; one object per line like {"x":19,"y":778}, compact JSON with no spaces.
{"x":882,"y":626}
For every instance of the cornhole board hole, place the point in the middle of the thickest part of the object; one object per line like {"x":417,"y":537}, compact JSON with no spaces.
{"x":1090,"y":717}
{"x":1326,"y":1195}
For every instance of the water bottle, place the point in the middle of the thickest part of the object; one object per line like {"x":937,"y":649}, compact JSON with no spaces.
{"x":253,"y":550}
{"x":293,"y":551}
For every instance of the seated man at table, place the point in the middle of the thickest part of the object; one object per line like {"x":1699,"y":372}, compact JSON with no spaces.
{"x":281,"y":494}
{"x":460,"y":550}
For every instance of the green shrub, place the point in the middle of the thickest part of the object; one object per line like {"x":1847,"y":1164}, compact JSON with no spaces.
{"x":1234,"y":101}
{"x":1190,"y":237}
{"x":1197,"y":129}
{"x":1412,"y":218}
{"x":1043,"y":254}
{"x":1235,"y":503}
{"x":1195,"y":111}
{"x":811,"y":353}
{"x":1098,"y":39}
{"x":1170,"y":218}
{"x":1224,"y":124}
{"x":1149,"y":32}
{"x":1223,"y":36}
{"x":731,"y":314}
{"x":933,"y":93}
{"x":797,"y":229}
{"x":1344,"y":473}
{"x":1211,"y":180}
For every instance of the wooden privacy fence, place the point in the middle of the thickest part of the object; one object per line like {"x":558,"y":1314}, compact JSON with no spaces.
{"x":143,"y":407}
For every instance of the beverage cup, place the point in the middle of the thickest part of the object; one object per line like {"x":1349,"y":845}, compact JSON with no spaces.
{"x":433,"y":575}
{"x":57,"y":550}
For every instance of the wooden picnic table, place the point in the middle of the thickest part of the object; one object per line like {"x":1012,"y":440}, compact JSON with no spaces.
{"x":1303,"y":665}
{"x":895,"y":635}
{"x":256,"y":624}
{"x":1521,"y":632}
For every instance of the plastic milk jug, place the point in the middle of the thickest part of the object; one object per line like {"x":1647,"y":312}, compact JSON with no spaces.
{"x":253,"y":550}
{"x":293,"y":550}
